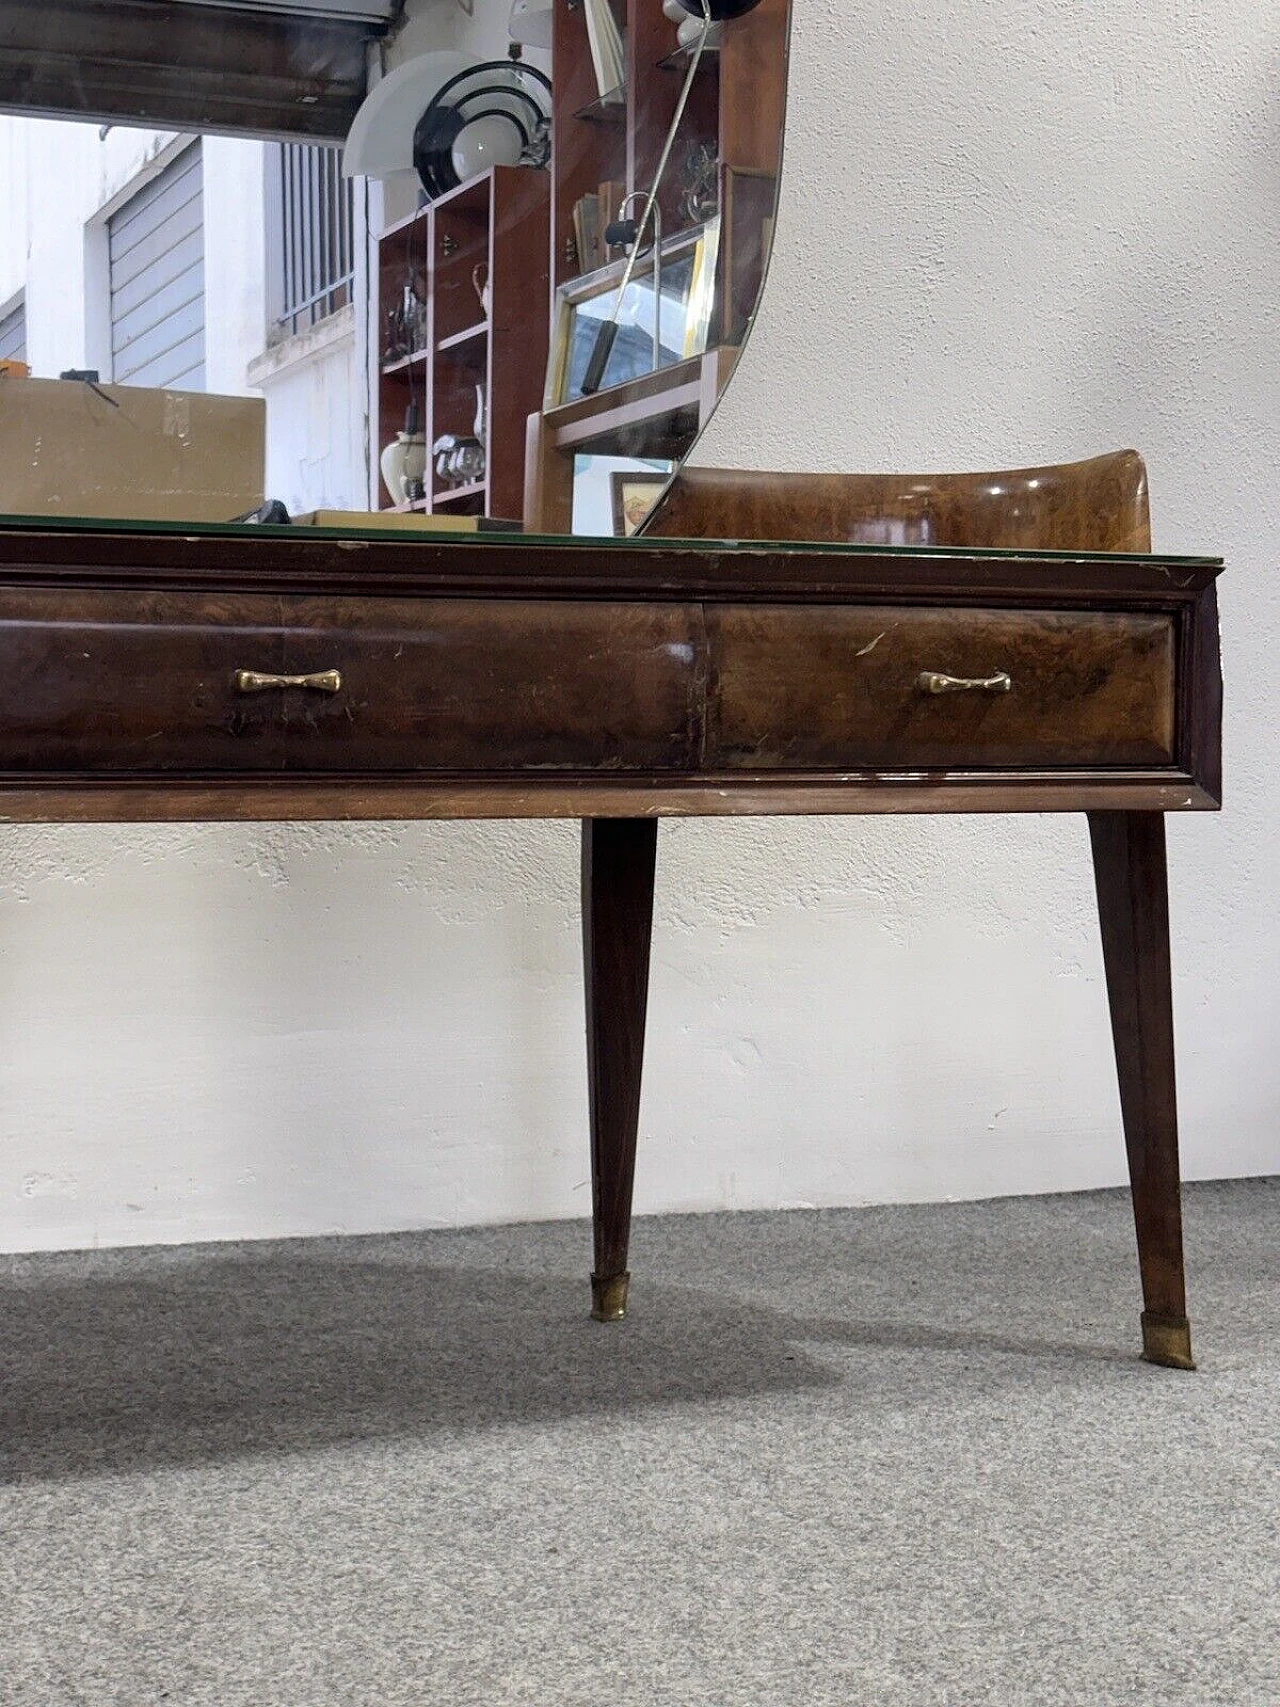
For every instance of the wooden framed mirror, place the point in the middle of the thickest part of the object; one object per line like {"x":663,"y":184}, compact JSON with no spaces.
{"x":320,"y":262}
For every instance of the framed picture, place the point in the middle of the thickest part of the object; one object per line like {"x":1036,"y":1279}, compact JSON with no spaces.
{"x":634,"y":495}
{"x":657,"y":327}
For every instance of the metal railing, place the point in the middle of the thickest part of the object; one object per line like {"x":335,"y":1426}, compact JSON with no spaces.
{"x":315,"y":257}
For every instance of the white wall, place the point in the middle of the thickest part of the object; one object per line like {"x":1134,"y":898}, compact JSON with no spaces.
{"x":13,"y":207}
{"x":235,"y":260}
{"x":54,"y":178}
{"x":317,"y":422}
{"x":1007,"y":234}
{"x":57,"y":183}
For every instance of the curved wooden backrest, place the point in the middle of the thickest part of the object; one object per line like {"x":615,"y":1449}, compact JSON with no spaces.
{"x":1098,"y":505}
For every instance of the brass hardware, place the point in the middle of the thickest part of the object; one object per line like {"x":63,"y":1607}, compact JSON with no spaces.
{"x":609,"y":1297}
{"x":930,"y":681}
{"x":1167,"y":1340}
{"x":255,"y":681}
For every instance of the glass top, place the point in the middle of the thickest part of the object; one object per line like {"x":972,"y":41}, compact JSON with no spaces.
{"x":516,"y":542}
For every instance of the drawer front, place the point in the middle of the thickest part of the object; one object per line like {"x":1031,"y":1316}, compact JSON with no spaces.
{"x":494,"y":685}
{"x":133,"y":682}
{"x":841,"y":688}
{"x":155,"y":683}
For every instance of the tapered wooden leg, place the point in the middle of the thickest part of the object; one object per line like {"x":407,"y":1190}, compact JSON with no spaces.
{"x":1133,"y":907}
{"x":618,"y":856}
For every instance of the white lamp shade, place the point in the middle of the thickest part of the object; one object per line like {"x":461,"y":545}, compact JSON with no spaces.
{"x":380,"y":141}
{"x":490,"y":141}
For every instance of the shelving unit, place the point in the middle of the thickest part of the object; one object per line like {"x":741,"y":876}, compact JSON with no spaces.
{"x":499,"y":221}
{"x":735,"y":110}
{"x":518,"y":222}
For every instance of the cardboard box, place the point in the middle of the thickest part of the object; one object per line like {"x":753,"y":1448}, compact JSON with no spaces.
{"x":68,"y":448}
{"x":398,"y":521}
{"x":401,"y":521}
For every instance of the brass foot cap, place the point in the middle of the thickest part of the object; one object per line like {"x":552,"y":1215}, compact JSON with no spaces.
{"x":1167,"y":1340}
{"x":609,"y":1297}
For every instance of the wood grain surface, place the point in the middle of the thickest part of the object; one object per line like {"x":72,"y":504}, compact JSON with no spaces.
{"x":1099,"y":504}
{"x":523,"y":678}
{"x":96,"y":681}
{"x":827,"y":688}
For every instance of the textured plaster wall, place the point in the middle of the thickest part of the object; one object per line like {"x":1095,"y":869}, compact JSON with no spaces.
{"x":1007,"y":233}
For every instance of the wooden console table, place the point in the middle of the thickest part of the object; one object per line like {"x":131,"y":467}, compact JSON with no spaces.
{"x":154,"y":673}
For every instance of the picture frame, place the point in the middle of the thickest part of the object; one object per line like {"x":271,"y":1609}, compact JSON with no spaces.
{"x":635,"y":491}
{"x":584,"y":304}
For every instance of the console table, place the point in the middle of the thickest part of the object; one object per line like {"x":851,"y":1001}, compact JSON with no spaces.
{"x":153,"y":672}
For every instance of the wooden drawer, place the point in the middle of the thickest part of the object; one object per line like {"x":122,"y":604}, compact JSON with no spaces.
{"x":495,"y":685}
{"x":146,"y":683}
{"x":124,"y":682}
{"x":839,"y":688}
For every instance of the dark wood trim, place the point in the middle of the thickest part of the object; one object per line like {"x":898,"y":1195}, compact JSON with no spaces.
{"x":285,"y":560}
{"x":1200,"y":693}
{"x":339,"y":799}
{"x":1133,"y":909}
{"x":618,"y":857}
{"x":183,"y":66}
{"x":653,"y":416}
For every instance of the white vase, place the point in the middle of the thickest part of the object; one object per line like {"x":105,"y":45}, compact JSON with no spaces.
{"x":403,"y":460}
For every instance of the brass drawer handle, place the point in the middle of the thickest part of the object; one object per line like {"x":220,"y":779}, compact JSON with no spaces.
{"x":930,"y":681}
{"x":254,"y":681}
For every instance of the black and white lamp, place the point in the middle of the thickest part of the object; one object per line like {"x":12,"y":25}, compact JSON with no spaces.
{"x":719,"y":9}
{"x":448,"y":116}
{"x":497,"y":113}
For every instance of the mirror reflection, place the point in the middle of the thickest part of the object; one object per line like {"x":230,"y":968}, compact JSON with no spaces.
{"x":460,"y":264}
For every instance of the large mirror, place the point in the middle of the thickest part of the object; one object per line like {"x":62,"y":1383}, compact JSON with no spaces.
{"x":417,"y":264}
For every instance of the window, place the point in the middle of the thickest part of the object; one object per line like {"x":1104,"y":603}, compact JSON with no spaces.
{"x":155,"y":246}
{"x":13,"y":332}
{"x":311,"y":249}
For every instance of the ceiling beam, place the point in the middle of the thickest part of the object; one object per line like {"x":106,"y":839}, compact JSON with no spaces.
{"x":182,"y":66}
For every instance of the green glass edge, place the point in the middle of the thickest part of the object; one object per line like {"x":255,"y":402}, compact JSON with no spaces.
{"x":581,"y":542}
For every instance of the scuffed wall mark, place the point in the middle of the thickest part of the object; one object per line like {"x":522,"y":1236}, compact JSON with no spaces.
{"x":50,"y":1185}
{"x":745,"y":1053}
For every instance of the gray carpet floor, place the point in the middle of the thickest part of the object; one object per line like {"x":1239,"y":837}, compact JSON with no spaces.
{"x":884,"y":1456}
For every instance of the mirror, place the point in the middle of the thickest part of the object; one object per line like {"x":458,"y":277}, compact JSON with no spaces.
{"x":452,"y":264}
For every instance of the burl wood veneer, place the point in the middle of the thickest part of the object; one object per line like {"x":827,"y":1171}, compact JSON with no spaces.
{"x":828,"y":688}
{"x":134,"y":683}
{"x":1100,"y":504}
